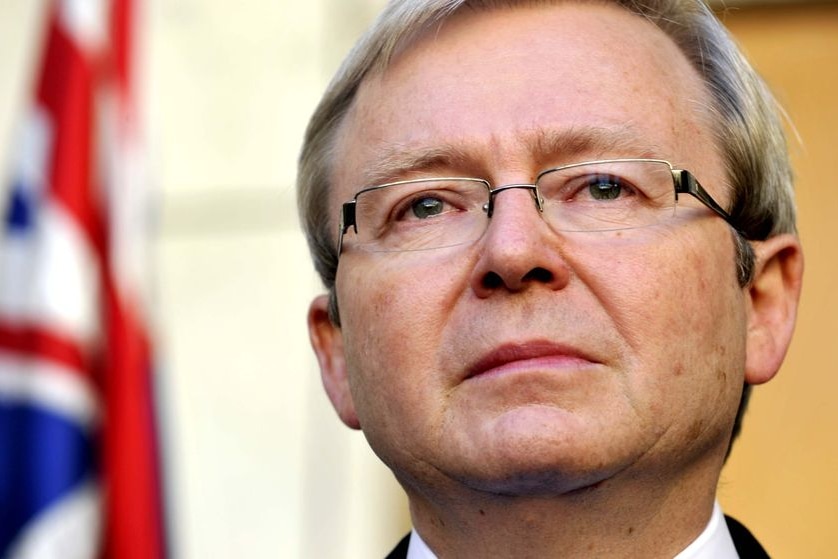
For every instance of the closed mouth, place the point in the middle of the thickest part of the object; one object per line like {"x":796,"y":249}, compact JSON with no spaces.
{"x":528,"y":355}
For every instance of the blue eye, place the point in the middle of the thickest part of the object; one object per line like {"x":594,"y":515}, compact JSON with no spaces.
{"x":424,"y":208}
{"x":605,"y":187}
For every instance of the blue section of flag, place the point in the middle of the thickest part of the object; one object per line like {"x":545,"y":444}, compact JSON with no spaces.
{"x":20,"y":213}
{"x":42,"y":457}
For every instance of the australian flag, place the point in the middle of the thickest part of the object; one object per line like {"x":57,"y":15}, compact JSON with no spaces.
{"x":79,"y":461}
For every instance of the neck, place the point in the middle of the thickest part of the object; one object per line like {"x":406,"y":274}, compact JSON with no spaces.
{"x":621,"y":516}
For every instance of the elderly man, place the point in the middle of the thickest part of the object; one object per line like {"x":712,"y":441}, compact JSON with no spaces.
{"x":559,"y":245}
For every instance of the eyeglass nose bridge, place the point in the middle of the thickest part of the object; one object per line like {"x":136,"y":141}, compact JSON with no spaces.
{"x":489,"y":207}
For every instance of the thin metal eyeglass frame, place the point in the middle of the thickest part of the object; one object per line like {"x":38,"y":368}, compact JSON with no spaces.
{"x":683,"y":181}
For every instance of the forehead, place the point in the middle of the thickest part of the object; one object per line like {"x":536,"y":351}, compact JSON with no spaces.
{"x":514,"y":87}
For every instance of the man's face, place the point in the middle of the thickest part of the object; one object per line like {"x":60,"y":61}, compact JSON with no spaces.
{"x":531,"y":360}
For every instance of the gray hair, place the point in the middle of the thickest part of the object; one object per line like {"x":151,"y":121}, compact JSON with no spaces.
{"x":745,"y":115}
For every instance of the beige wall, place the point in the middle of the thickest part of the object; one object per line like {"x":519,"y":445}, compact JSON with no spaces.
{"x":258,"y":464}
{"x":781,"y":479}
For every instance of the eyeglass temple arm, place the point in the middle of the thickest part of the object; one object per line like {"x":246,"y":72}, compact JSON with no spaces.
{"x":347,"y":220}
{"x":347,"y":217}
{"x":686,"y":183}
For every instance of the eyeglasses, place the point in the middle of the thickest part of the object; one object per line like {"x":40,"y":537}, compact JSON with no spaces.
{"x":607,"y":195}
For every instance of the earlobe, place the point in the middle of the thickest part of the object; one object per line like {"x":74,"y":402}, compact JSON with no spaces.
{"x":773,"y":297}
{"x":327,"y":341}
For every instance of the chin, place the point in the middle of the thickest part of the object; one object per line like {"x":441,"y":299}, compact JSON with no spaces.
{"x":539,"y":483}
{"x":544,"y":467}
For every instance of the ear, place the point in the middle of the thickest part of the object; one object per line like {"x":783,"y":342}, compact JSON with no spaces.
{"x":773,"y":298}
{"x":327,"y":341}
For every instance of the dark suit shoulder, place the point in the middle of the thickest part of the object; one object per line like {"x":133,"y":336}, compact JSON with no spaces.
{"x":746,"y":544}
{"x":400,"y":551}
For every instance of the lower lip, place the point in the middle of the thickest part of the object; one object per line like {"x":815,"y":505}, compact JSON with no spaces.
{"x":546,"y":364}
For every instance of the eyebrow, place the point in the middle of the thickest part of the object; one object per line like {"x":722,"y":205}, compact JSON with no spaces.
{"x":397,"y":161}
{"x":548,"y":147}
{"x":561,"y":147}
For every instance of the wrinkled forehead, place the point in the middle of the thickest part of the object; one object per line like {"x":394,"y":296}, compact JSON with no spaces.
{"x":445,"y":52}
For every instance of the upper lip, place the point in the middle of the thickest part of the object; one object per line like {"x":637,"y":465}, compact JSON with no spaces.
{"x":512,"y":352}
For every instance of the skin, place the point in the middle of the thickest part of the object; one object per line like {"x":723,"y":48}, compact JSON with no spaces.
{"x":539,"y":392}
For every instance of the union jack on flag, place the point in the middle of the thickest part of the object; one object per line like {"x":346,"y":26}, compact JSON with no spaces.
{"x":79,"y":463}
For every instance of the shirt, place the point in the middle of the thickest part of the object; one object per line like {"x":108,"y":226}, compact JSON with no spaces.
{"x":713,"y":543}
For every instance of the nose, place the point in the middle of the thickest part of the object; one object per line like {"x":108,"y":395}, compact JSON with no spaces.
{"x":519,"y":250}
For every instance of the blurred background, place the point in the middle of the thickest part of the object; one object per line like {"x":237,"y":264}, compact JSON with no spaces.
{"x":256,"y":462}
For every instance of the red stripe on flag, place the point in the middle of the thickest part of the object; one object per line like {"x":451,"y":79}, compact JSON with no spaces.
{"x":135,"y":528}
{"x":67,"y":92}
{"x":30,"y":341}
{"x":122,"y":38}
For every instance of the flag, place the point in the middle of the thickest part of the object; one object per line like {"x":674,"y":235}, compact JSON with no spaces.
{"x":79,"y":462}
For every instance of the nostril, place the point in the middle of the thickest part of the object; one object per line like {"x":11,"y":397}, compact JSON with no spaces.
{"x":492,"y":281}
{"x":540,"y":275}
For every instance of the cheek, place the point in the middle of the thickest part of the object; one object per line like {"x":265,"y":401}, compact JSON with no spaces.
{"x":402,"y":296}
{"x":393,"y":311}
{"x":674,"y":302}
{"x":672,"y":284}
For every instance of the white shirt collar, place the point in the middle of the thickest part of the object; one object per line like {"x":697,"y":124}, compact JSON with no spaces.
{"x":713,"y":543}
{"x":418,"y":549}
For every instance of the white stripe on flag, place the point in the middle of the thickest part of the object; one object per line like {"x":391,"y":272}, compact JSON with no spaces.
{"x":85,"y":21}
{"x":31,"y":152}
{"x":130,"y":204}
{"x":49,"y":277}
{"x":49,"y":386}
{"x":69,"y":529}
